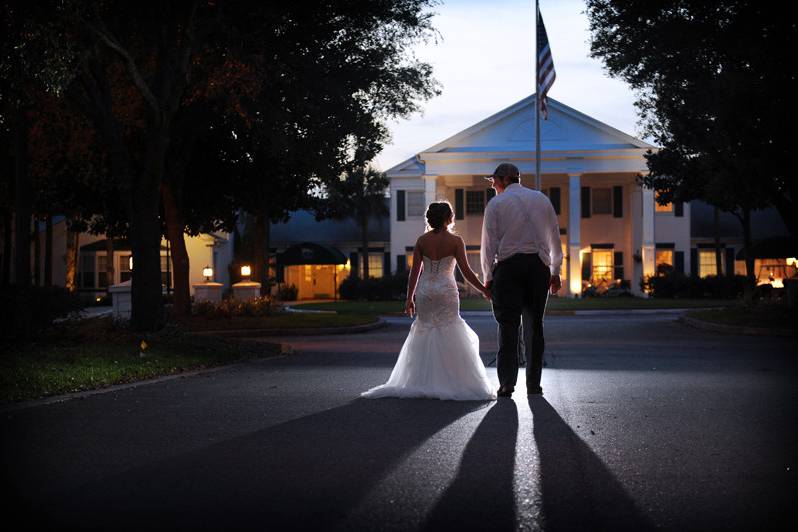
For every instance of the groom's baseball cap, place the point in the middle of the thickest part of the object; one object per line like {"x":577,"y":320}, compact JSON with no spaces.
{"x":505,"y":170}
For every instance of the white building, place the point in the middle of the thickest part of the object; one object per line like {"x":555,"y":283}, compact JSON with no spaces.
{"x":611,"y":228}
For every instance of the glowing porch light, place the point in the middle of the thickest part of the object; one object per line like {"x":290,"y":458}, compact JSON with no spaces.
{"x":246,"y":271}
{"x":207,"y":272}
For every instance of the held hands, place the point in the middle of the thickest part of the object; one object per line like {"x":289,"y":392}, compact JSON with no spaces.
{"x":486,"y":290}
{"x":410,"y":308}
{"x":555,"y":284}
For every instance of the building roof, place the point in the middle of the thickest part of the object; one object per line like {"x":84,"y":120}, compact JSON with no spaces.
{"x":513,"y":130}
{"x":303,"y":227}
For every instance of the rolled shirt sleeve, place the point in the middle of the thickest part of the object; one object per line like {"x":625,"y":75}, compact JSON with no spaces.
{"x":489,"y":243}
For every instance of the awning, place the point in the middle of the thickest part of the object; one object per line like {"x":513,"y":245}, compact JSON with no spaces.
{"x":780,"y":247}
{"x":310,"y":253}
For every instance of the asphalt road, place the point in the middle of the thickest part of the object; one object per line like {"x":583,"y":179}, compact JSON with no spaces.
{"x":645,"y":424}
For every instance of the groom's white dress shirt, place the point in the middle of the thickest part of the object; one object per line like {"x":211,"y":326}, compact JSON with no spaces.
{"x":520,"y":220}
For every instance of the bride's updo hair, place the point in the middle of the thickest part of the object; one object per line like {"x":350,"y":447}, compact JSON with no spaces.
{"x":438,"y":213}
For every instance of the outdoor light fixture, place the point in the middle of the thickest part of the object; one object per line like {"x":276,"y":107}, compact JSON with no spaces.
{"x":246,"y":271}
{"x":207,"y":272}
{"x":130,"y":263}
{"x":791,"y":261}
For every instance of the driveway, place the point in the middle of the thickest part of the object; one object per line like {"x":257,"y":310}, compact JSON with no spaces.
{"x":645,"y":424}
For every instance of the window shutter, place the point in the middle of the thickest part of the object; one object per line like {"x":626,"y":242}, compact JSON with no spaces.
{"x":386,"y":263}
{"x":617,"y":262}
{"x":678,"y":208}
{"x":458,"y":204}
{"x":554,"y":197}
{"x":401,"y":263}
{"x":353,"y":264}
{"x":617,"y":202}
{"x":400,"y":205}
{"x":678,"y":261}
{"x":694,"y":262}
{"x":585,"y":202}
{"x":587,"y":267}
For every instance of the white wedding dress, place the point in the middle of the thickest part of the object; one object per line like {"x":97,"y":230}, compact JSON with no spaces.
{"x":440,"y":357}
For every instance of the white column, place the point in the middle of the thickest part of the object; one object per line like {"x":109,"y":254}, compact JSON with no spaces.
{"x":430,"y":189}
{"x":647,"y":243}
{"x":574,"y":242}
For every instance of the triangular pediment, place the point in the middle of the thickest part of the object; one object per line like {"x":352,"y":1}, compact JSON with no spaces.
{"x":513,"y":129}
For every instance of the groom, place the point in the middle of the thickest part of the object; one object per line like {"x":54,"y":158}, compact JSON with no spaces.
{"x":521,"y":259}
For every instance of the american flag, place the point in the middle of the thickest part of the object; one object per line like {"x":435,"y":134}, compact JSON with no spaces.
{"x":546,"y":73}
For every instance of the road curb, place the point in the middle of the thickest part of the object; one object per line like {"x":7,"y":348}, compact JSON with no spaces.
{"x":319,"y":331}
{"x":733,"y":329}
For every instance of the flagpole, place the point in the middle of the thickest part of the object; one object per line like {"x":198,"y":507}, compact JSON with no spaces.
{"x":537,"y":100}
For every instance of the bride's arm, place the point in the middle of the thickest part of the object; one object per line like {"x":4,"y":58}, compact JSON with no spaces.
{"x":415,"y":271}
{"x":465,"y":268}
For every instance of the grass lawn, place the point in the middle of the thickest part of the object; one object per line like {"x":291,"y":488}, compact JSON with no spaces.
{"x":280,"y":321}
{"x":91,"y":354}
{"x":555,"y":303}
{"x":763,"y":315}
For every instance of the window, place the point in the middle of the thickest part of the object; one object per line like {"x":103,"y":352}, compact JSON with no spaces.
{"x":475,"y":202}
{"x":602,"y":266}
{"x":664,"y":261}
{"x":602,"y":201}
{"x":124,"y":268}
{"x":376,"y":261}
{"x":102,"y":271}
{"x":706,"y":263}
{"x":415,"y":203}
{"x":86,"y":276}
{"x":668,"y":207}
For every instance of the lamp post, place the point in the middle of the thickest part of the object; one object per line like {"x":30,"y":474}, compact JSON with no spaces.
{"x":207,"y":272}
{"x":246,"y":290}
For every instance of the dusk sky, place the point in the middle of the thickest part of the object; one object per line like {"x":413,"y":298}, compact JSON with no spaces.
{"x":484,"y":62}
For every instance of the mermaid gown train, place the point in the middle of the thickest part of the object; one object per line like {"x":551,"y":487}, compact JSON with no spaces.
{"x":440,"y":357}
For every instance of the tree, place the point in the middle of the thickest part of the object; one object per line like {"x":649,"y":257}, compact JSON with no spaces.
{"x":712,"y":88}
{"x":358,"y":194}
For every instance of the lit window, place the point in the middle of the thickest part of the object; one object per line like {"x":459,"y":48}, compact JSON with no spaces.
{"x":668,"y":207}
{"x":602,"y":201}
{"x":664,"y":261}
{"x":375,"y":265}
{"x":475,"y":202}
{"x":706,"y":263}
{"x":415,"y":203}
{"x":124,"y":268}
{"x":602,"y":265}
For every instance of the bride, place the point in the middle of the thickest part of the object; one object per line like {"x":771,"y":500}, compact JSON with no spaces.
{"x":440,"y":357}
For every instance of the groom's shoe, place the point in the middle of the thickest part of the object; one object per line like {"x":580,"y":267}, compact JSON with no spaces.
{"x":505,"y":391}
{"x":536,"y":390}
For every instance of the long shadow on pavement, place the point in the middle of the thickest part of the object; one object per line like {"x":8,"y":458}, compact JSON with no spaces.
{"x":302,"y":474}
{"x":481,"y":495}
{"x":579,"y":492}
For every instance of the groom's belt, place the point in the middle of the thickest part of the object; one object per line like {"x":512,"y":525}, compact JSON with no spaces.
{"x":517,"y":256}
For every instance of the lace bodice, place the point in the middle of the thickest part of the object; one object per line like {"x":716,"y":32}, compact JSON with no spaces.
{"x":437,"y":297}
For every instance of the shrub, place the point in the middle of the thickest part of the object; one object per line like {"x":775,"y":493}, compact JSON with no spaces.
{"x":678,"y":285}
{"x":230,"y":308}
{"x":27,"y":310}
{"x":287,"y":292}
{"x":389,"y":287}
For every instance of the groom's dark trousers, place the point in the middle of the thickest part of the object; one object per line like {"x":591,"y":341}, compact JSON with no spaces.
{"x":519,"y":291}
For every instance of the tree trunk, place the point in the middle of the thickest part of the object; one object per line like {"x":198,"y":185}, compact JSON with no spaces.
{"x":7,"y":250}
{"x":175,"y":225}
{"x":23,"y":203}
{"x":110,"y":267}
{"x":72,"y":247}
{"x":48,"y":250}
{"x":37,"y":254}
{"x":716,"y":234}
{"x":364,"y":227}
{"x":145,"y":240}
{"x":750,"y":284}
{"x":261,"y":266}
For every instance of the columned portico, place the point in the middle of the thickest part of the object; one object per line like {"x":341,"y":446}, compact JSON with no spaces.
{"x":574,"y":264}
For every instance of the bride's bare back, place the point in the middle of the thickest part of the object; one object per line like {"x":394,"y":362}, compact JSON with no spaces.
{"x":437,"y":245}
